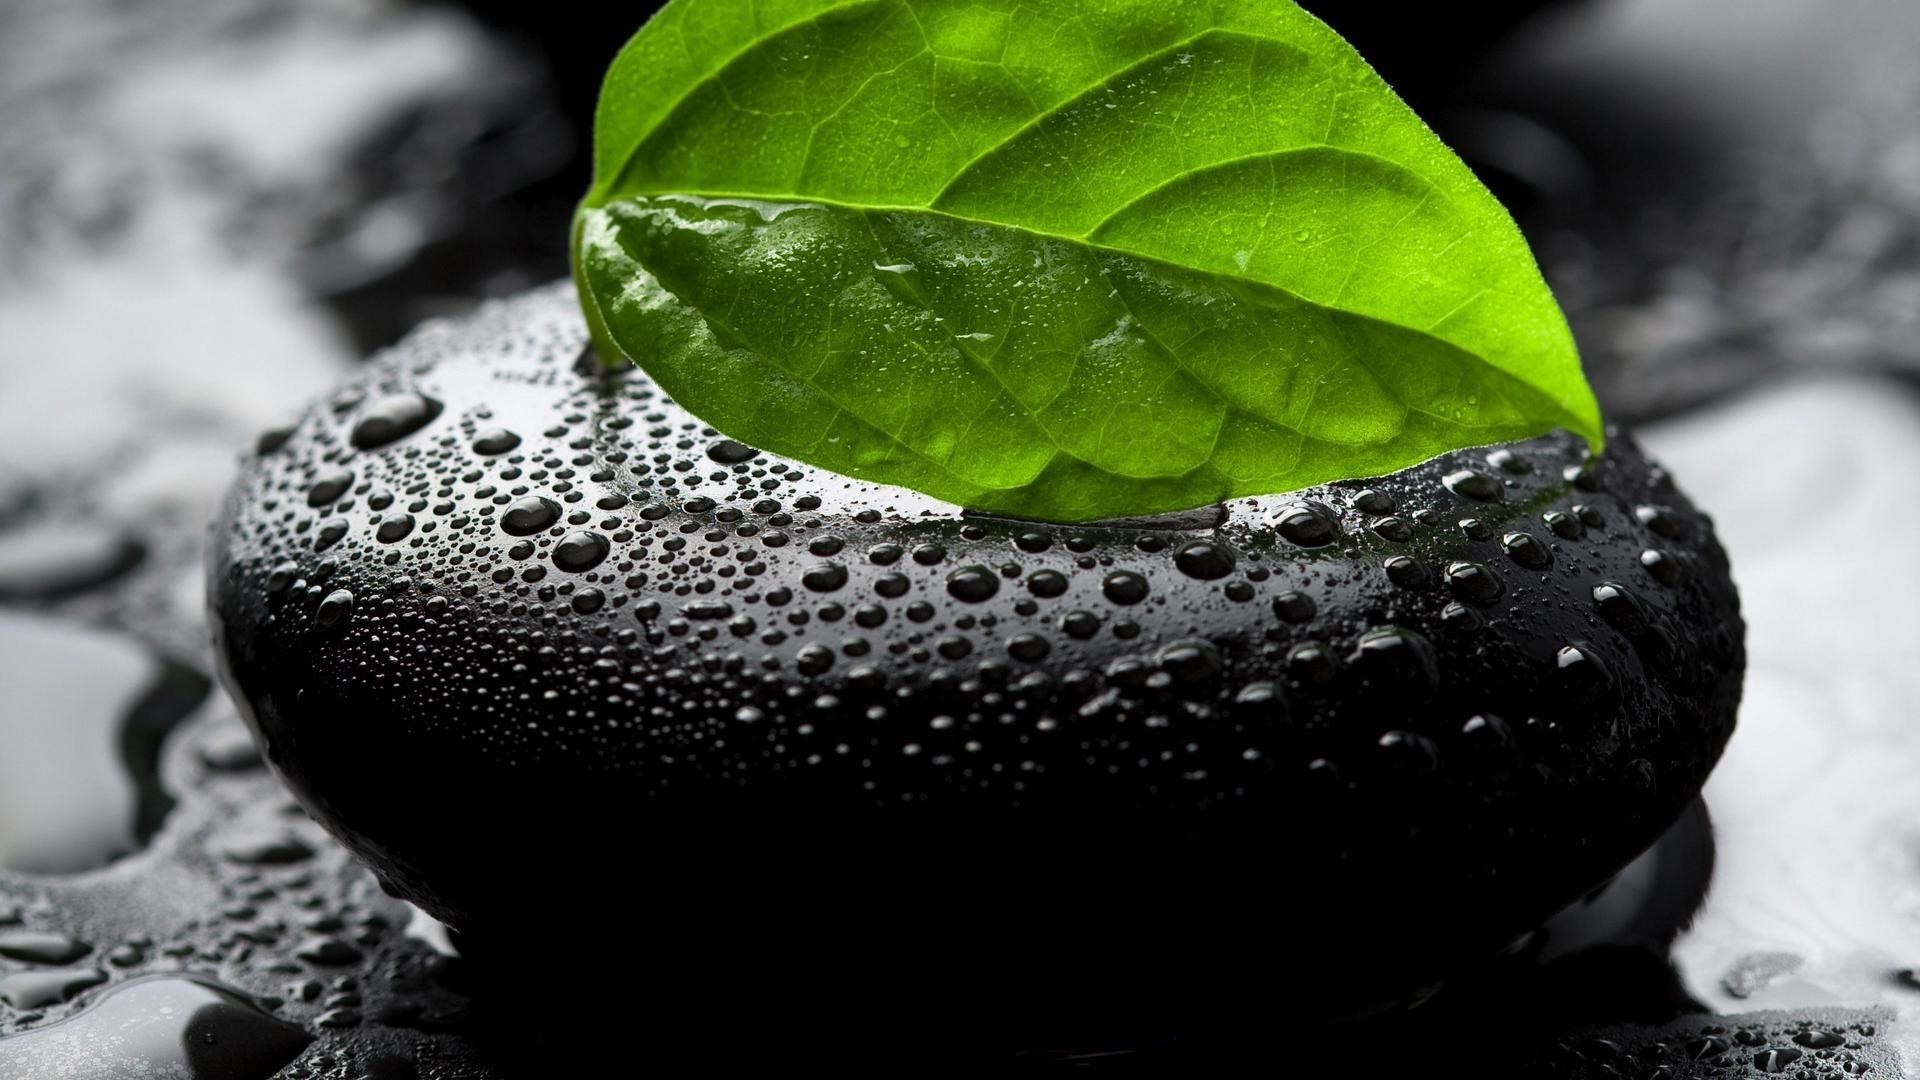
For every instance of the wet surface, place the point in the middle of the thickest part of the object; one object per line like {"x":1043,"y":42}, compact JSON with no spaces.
{"x":161,"y":1026}
{"x":1726,"y":195}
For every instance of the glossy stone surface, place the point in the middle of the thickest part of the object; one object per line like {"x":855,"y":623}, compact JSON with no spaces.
{"x":768,"y":717}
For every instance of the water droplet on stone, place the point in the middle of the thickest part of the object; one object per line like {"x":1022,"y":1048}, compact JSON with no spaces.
{"x":1470,"y":484}
{"x":1030,"y":648}
{"x":1312,"y":662}
{"x":1409,"y":754}
{"x":390,"y":419}
{"x":273,"y":439}
{"x":1710,"y":1046}
{"x":1659,"y":520}
{"x":1080,"y":625}
{"x":1525,"y":549}
{"x":1621,"y":608}
{"x":1190,"y":661}
{"x":1307,"y":524}
{"x":1582,"y":670}
{"x":972,"y":584}
{"x":826,"y":577}
{"x":1474,"y":583}
{"x":333,"y":610}
{"x":327,"y":951}
{"x":1397,"y":655}
{"x":1406,"y":571}
{"x":813,"y":659}
{"x":580,"y":551}
{"x":1372,"y":501}
{"x":1393,"y":529}
{"x":729,"y":452}
{"x":1564,"y":525}
{"x":329,"y":486}
{"x":1664,"y":567}
{"x":1047,"y":584}
{"x":1294,"y":607}
{"x":1508,"y":461}
{"x":330,"y":533}
{"x":529,"y":515}
{"x":394,"y":528}
{"x":494,"y":441}
{"x":1124,"y":587}
{"x":1204,"y":560}
{"x":1818,"y":1039}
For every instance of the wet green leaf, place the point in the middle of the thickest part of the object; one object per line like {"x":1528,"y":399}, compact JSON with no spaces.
{"x":1076,"y":260}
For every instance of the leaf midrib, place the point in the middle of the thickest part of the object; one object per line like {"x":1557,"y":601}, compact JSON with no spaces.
{"x":1060,"y":451}
{"x":1085,"y":239}
{"x":618,"y":187}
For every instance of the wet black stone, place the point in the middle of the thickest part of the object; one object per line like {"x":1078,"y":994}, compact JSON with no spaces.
{"x":853,"y":765}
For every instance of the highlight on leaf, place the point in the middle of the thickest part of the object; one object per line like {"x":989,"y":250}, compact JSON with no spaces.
{"x":1086,"y":260}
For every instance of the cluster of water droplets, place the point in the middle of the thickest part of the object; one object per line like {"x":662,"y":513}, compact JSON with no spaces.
{"x":495,"y":537}
{"x":1821,"y":1044}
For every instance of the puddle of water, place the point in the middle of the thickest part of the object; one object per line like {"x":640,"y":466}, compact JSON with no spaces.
{"x":46,"y":560}
{"x":82,"y":717}
{"x":172,"y":1027}
{"x":1817,"y":812}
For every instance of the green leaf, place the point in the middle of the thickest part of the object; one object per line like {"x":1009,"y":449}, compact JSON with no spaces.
{"x":1092,"y":258}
